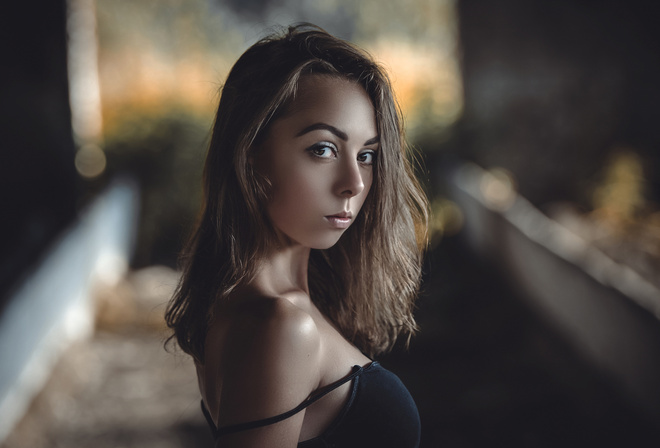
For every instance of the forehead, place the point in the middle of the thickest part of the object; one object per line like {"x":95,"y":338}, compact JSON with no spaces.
{"x":320,"y":87}
{"x":335,"y":101}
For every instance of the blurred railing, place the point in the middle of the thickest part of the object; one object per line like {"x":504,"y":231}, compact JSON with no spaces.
{"x":605,"y":309}
{"x":54,"y":306}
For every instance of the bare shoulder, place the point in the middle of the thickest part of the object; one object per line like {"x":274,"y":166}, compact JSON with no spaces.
{"x":270,"y":362}
{"x":273,"y":325}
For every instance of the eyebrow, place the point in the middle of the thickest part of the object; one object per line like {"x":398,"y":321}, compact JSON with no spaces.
{"x":341,"y":134}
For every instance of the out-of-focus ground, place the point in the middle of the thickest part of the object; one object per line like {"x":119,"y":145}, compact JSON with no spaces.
{"x":120,"y":388}
{"x":116,"y":390}
{"x":484,"y":371}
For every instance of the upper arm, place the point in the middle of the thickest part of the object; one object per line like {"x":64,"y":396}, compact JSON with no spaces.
{"x":269,"y":366}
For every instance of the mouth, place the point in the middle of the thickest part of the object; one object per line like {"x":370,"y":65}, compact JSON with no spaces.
{"x":340,"y":220}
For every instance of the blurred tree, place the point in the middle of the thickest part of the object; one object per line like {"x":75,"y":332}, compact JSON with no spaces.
{"x":164,"y":153}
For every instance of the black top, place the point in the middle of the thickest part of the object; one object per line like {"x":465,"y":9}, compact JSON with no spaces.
{"x":379,"y":413}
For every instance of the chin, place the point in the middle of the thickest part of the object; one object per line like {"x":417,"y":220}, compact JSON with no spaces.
{"x":324,"y":246}
{"x":325,"y":243}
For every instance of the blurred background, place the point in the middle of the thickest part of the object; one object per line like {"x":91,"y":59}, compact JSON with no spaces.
{"x":536,"y":124}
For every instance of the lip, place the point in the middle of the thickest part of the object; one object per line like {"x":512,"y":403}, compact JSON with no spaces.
{"x":340,"y":220}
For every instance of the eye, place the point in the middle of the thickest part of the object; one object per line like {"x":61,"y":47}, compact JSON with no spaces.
{"x":323,"y":150}
{"x":367,"y":157}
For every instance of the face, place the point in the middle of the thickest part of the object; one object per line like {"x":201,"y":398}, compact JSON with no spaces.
{"x":319,"y":160}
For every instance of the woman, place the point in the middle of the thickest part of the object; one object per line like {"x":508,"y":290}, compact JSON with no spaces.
{"x":306,"y":259}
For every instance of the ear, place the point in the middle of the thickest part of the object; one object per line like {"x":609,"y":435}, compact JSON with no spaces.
{"x":253,"y":150}
{"x":259,"y":177}
{"x":255,"y":159}
{"x":253,"y":164}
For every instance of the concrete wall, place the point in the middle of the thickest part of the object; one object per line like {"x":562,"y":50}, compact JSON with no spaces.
{"x":609,"y":313}
{"x":53,"y":306}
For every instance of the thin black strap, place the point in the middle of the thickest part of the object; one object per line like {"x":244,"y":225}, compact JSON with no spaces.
{"x":209,"y":420}
{"x":230,"y":429}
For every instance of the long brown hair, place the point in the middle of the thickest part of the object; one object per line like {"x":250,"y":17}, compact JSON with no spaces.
{"x":367,"y":282}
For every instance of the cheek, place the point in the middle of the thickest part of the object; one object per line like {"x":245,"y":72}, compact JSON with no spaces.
{"x":296,"y":191}
{"x":368,"y":180}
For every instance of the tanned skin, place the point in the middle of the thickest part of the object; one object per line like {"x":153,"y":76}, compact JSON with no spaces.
{"x":269,"y":346}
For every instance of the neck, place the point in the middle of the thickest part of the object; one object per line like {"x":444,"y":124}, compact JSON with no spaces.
{"x":284,"y":271}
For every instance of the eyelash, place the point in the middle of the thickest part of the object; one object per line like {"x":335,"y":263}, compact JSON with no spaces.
{"x":321,"y":146}
{"x":371,"y":153}
{"x":326,"y":145}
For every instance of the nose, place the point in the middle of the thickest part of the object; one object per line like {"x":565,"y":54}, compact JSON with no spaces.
{"x":350,"y":180}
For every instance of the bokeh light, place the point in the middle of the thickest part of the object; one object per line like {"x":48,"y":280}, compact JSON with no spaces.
{"x":498,"y":188}
{"x":90,"y":161}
